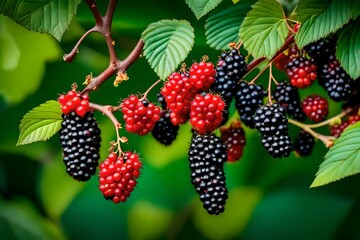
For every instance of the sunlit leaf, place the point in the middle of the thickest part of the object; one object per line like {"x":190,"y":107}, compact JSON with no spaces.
{"x":322,"y":23}
{"x":342,"y":160}
{"x":264,"y":30}
{"x":40,"y":123}
{"x":43,"y":16}
{"x":348,"y":49}
{"x":308,"y":8}
{"x":167,"y":43}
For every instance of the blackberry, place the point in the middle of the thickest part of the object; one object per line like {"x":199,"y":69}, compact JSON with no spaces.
{"x":301,"y":71}
{"x":304,"y":143}
{"x":164,"y":131}
{"x":335,"y":80}
{"x":161,"y":100}
{"x":354,"y":98}
{"x":80,"y":142}
{"x":235,"y":64}
{"x":315,"y":107}
{"x":288,"y":96}
{"x":248,"y":98}
{"x":317,"y":50}
{"x":273,"y":126}
{"x":233,"y":137}
{"x":206,"y":156}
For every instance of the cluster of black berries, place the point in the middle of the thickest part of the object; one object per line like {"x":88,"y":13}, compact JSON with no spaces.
{"x":80,"y":141}
{"x":207,"y":155}
{"x":272,"y":123}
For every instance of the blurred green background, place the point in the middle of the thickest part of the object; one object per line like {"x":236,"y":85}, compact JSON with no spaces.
{"x":268,"y":198}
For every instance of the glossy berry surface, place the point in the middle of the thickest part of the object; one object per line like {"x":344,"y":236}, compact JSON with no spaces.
{"x":234,"y":64}
{"x":304,"y":144}
{"x":165,"y":131}
{"x":206,"y":156}
{"x":178,"y":93}
{"x":288,"y":96}
{"x":202,"y":75}
{"x":73,"y":101}
{"x":206,"y":112}
{"x":248,"y":98}
{"x":117,"y":176}
{"x":302,"y":72}
{"x":315,"y":107}
{"x":80,"y":141}
{"x":271,"y":121}
{"x":335,"y":80}
{"x":140,"y":115}
{"x":234,"y":139}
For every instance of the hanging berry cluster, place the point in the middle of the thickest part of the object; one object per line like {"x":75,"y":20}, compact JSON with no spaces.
{"x":201,"y":96}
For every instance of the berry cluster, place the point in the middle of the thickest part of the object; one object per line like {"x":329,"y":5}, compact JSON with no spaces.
{"x":202,"y":75}
{"x":304,"y":144}
{"x":271,"y":121}
{"x":248,"y":98}
{"x":140,"y":115}
{"x":206,"y":112}
{"x":315,"y":107}
{"x":117,"y":176}
{"x":337,"y":129}
{"x":234,"y":139}
{"x":79,"y":136}
{"x":73,"y":101}
{"x":207,"y":155}
{"x":301,"y":71}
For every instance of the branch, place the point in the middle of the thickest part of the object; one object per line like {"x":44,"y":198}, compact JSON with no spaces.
{"x":95,"y":12}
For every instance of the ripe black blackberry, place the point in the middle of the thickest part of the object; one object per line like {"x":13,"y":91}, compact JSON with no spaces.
{"x":161,"y":100}
{"x":207,"y":155}
{"x":235,"y":65}
{"x":335,"y":80}
{"x":320,"y":49}
{"x":248,"y":98}
{"x":271,"y":121}
{"x":164,"y":131}
{"x":304,"y":143}
{"x":224,"y":86}
{"x":288,"y":96}
{"x":80,"y":142}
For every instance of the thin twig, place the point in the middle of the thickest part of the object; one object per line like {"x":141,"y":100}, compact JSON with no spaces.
{"x":149,"y":89}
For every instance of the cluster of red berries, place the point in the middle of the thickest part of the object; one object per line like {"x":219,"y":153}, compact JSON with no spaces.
{"x":73,"y":101}
{"x":338,"y":128}
{"x":117,"y":176}
{"x":140,"y":115}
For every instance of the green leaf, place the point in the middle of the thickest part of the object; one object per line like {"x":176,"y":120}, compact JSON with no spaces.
{"x":308,"y":8}
{"x":202,"y":7}
{"x":327,"y":21}
{"x":348,"y":49}
{"x":264,"y":30}
{"x":167,"y":43}
{"x":342,"y":160}
{"x":52,"y":17}
{"x":23,"y":55}
{"x":223,"y":25}
{"x":40,"y":123}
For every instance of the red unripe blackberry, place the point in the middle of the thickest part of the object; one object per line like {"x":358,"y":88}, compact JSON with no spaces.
{"x":164,"y":130}
{"x":206,"y":112}
{"x":73,"y":101}
{"x":288,"y":96}
{"x":233,"y":137}
{"x":285,"y":57}
{"x":304,"y":144}
{"x":202,"y":75}
{"x":117,"y":176}
{"x":302,"y":72}
{"x":80,"y":142}
{"x":207,"y":155}
{"x":248,"y":98}
{"x":337,"y":129}
{"x":335,"y":80}
{"x":315,"y":107}
{"x":271,"y":121}
{"x":296,"y":27}
{"x":140,"y":115}
{"x":178,"y":92}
